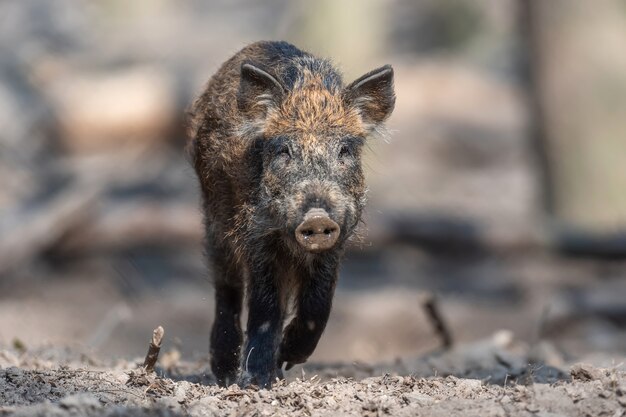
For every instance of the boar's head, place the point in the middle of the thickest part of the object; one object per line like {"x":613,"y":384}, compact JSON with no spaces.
{"x":307,"y":133}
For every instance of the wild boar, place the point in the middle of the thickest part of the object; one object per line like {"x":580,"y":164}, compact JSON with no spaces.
{"x":276,"y":141}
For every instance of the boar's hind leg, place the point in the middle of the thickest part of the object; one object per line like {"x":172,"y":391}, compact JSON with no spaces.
{"x":313,"y":308}
{"x":226,"y":335}
{"x":265,"y":322}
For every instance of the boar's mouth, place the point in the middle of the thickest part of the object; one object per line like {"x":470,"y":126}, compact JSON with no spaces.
{"x":317,"y":232}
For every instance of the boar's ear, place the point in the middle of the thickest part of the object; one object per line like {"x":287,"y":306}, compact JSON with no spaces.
{"x":258,"y":90}
{"x":372,"y":95}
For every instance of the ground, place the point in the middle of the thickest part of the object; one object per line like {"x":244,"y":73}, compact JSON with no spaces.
{"x":74,"y":344}
{"x":487,"y":378}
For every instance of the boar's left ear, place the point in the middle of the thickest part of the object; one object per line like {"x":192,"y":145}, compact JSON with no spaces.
{"x":258,"y":90}
{"x":372,"y":95}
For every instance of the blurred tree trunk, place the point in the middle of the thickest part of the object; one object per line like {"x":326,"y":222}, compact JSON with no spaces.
{"x":351,"y":32}
{"x":577,"y":55}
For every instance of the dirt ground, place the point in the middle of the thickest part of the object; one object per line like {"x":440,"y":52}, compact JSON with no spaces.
{"x":492,"y":377}
{"x":67,"y":344}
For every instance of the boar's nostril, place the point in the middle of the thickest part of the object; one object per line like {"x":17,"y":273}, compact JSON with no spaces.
{"x":317,"y":232}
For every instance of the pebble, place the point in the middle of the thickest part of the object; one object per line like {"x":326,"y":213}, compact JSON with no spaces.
{"x":585,"y":372}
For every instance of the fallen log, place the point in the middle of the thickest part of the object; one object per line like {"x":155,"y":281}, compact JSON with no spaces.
{"x":33,"y":226}
{"x":136,"y":222}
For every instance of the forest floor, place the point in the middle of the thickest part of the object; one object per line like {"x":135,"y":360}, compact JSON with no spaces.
{"x":492,"y":377}
{"x":66,"y":350}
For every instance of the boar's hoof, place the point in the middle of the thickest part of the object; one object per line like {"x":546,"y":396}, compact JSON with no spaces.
{"x":264,"y":381}
{"x":317,"y":232}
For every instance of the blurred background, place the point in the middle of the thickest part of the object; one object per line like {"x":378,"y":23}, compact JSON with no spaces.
{"x":501,"y":190}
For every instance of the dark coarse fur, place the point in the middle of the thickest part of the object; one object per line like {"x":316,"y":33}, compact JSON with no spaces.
{"x":275,"y":134}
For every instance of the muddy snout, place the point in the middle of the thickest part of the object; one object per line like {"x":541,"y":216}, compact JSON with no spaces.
{"x":317,"y":232}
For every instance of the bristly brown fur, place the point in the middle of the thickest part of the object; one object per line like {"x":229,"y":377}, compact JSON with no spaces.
{"x":274,"y":134}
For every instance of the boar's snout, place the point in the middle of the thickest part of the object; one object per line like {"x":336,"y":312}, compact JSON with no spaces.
{"x":317,"y":232}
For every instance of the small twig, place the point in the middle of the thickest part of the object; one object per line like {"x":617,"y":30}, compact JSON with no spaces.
{"x":436,"y":319}
{"x":153,"y":350}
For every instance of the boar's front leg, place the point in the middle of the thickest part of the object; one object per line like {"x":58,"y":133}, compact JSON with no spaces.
{"x":313,"y":308}
{"x":265,"y":322}
{"x":226,"y":335}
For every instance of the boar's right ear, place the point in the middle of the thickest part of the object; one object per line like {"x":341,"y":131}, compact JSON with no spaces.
{"x":258,"y":90}
{"x":372,"y":95}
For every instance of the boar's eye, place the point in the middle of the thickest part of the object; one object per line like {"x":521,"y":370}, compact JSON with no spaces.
{"x":345,"y":151}
{"x":283,"y":151}
{"x":349,"y":147}
{"x":279,"y":149}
